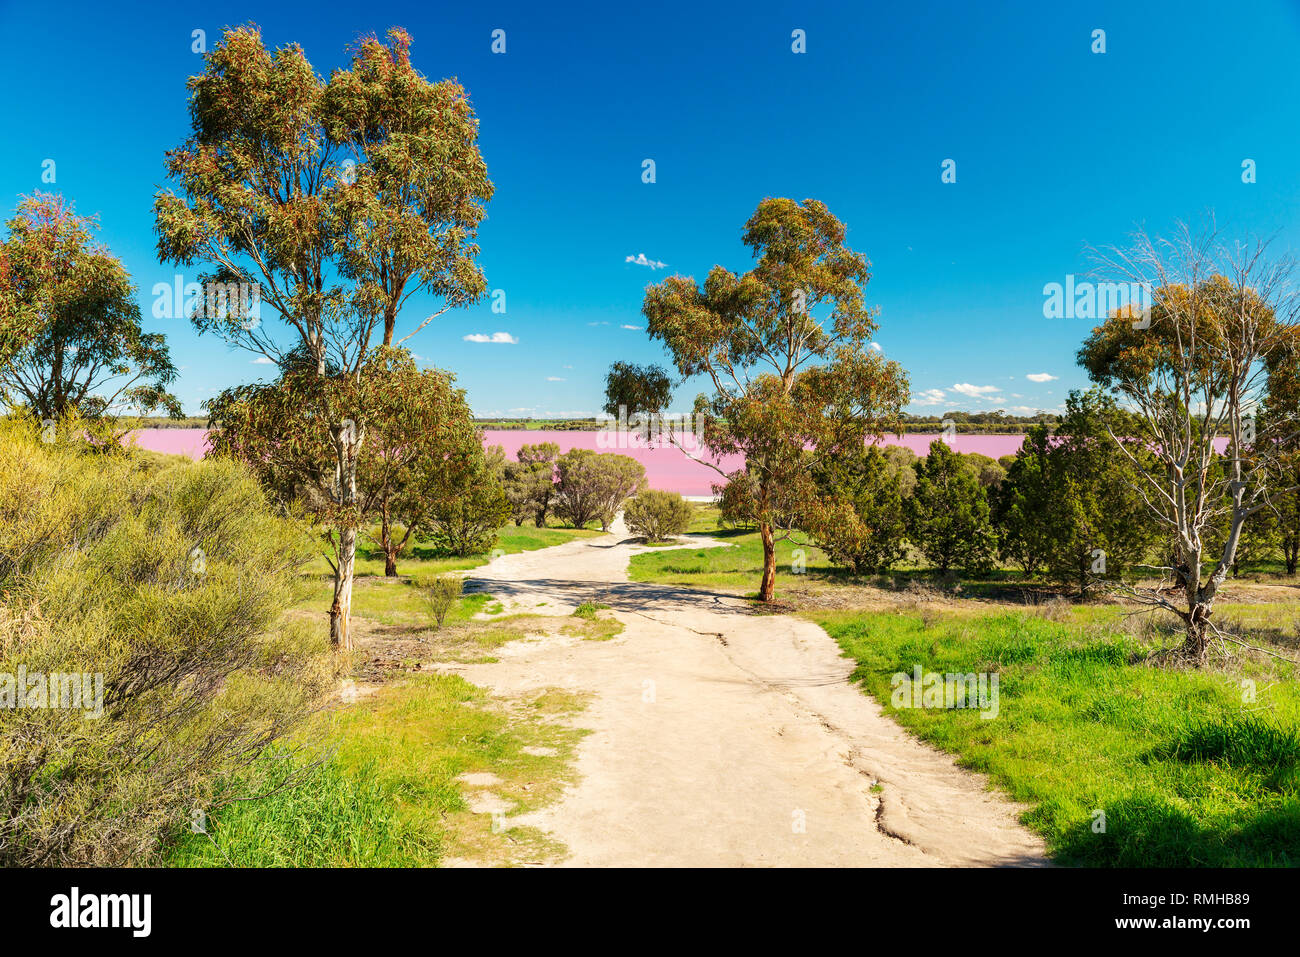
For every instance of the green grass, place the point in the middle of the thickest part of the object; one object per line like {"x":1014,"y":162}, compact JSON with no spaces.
{"x":735,"y":566}
{"x":392,"y":601}
{"x":589,"y":610}
{"x":389,"y":796}
{"x":1185,"y":771}
{"x":422,"y":558}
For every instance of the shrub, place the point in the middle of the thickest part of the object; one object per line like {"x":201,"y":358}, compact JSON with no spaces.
{"x":948,"y":514}
{"x":467,"y":523}
{"x":657,"y":515}
{"x":858,"y":517}
{"x":441,"y":594}
{"x":594,"y":485}
{"x":167,"y":588}
{"x":589,"y":610}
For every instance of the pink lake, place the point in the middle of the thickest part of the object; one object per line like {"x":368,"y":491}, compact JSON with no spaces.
{"x":667,"y":467}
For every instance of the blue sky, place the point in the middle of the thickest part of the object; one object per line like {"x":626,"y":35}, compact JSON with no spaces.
{"x":1056,"y":147}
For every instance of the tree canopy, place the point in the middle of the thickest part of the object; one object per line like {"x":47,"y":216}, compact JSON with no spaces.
{"x":76,"y":346}
{"x":785,"y":347}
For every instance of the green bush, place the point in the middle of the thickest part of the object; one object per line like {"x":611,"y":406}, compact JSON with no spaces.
{"x":657,"y":515}
{"x":594,"y":485}
{"x":467,"y":523}
{"x":441,"y":594}
{"x":589,"y":610}
{"x":166,"y":586}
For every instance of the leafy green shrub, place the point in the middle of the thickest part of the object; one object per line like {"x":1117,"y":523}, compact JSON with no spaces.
{"x":657,"y":515}
{"x":165,"y":588}
{"x":589,"y":610}
{"x":441,"y":594}
{"x":467,"y":523}
{"x":948,"y":514}
{"x":594,"y":485}
{"x":858,"y":518}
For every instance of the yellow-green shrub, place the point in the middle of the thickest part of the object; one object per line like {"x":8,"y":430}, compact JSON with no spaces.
{"x":170,"y":583}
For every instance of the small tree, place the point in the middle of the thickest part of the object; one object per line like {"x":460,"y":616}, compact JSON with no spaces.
{"x":1194,"y":368}
{"x":422,"y":450}
{"x":520,"y":486}
{"x":1281,"y":516}
{"x":1070,"y":501}
{"x":949,"y":513}
{"x":594,"y":485}
{"x":859,"y":515}
{"x":538,"y":461}
{"x":441,"y":594}
{"x":467,"y":523}
{"x":637,"y":390}
{"x":1022,"y":506}
{"x":84,"y":352}
{"x":426,"y":456}
{"x":658,"y":516}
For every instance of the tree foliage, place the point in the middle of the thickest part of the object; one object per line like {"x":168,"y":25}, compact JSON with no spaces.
{"x":530,"y":482}
{"x":594,"y":485}
{"x":637,"y":390}
{"x":1071,"y":503}
{"x":948,"y":513}
{"x":784,"y":347}
{"x":77,"y":346}
{"x":858,"y":516}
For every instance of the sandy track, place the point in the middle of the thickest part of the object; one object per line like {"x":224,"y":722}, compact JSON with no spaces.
{"x":722,"y":738}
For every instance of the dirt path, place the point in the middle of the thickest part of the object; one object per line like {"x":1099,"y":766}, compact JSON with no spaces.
{"x":722,"y":738}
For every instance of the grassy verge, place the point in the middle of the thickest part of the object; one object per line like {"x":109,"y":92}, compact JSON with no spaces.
{"x":1186,"y":772}
{"x":422,"y":558}
{"x":735,"y":566}
{"x":391,"y":794}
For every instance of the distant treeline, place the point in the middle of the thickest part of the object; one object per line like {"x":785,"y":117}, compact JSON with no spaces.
{"x":979,"y":423}
{"x":163,"y":422}
{"x":976,"y":423}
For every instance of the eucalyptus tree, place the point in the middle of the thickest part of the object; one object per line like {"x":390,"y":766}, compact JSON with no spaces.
{"x":1194,"y":367}
{"x":337,"y":201}
{"x":423,"y":460}
{"x":77,"y":346}
{"x":785,"y":347}
{"x":637,"y":390}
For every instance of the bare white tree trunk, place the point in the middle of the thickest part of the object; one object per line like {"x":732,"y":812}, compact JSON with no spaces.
{"x":347,"y":440}
{"x":1219,"y":315}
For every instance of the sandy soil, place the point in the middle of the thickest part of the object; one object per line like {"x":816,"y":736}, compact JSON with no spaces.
{"x":724,"y":738}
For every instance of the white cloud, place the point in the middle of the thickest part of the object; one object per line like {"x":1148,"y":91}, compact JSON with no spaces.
{"x":1040,"y":377}
{"x":553,"y":378}
{"x":262,"y":361}
{"x":640,"y":260}
{"x":930,"y":397}
{"x":974,"y":391}
{"x":495,"y":337}
{"x":877,"y":346}
{"x":633,"y":328}
{"x":598,"y":323}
